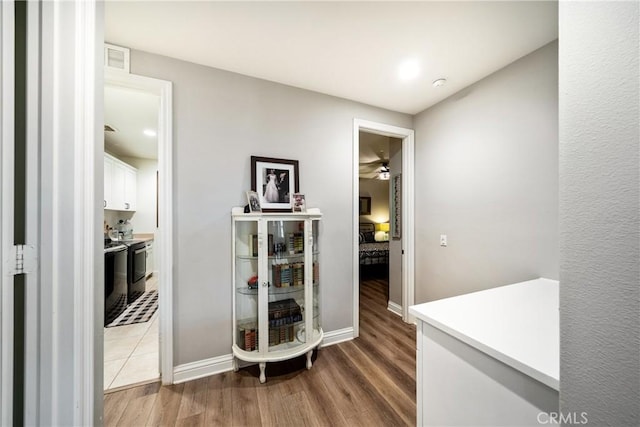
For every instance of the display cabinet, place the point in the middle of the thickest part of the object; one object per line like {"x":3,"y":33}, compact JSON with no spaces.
{"x":276,"y":286}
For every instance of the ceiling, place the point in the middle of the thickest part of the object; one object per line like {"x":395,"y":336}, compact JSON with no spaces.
{"x":130,"y":113}
{"x":347,"y":49}
{"x":374,"y":151}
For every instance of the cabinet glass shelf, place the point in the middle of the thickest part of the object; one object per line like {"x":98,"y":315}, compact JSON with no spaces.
{"x":275,"y":257}
{"x":273,"y":290}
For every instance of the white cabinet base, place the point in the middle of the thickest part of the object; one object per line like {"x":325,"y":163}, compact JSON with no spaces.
{"x":458,"y":385}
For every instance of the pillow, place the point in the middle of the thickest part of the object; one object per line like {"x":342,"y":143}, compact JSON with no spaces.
{"x":369,"y":236}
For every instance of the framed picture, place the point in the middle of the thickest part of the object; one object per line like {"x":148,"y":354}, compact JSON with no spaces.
{"x":396,"y":207}
{"x":365,"y":206}
{"x":274,"y":180}
{"x":298,"y":203}
{"x":254,"y":201}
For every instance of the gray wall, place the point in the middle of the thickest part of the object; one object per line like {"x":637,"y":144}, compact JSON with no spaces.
{"x":378,"y":190}
{"x":487,"y":177}
{"x":599,"y":209}
{"x":220,"y":120}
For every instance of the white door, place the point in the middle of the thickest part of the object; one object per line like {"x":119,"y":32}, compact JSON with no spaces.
{"x":7,"y":59}
{"x":48,"y":109}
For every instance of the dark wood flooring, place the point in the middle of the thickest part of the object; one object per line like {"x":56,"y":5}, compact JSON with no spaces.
{"x":369,"y":381}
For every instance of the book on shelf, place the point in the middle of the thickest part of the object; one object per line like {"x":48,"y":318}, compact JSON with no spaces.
{"x":316,"y":273}
{"x":281,"y":335}
{"x":295,"y":243}
{"x":286,"y":308}
{"x":247,"y":337}
{"x":285,"y":275}
{"x":281,"y":275}
{"x":253,"y":244}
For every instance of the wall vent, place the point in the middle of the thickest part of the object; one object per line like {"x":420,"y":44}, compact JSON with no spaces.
{"x":116,"y":57}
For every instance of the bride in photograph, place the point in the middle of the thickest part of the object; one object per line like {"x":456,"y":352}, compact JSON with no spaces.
{"x":271,"y":194}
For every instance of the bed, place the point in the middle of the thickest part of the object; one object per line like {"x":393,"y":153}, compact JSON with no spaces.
{"x":374,"y":256}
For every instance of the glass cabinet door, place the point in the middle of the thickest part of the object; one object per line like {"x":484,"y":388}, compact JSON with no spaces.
{"x":315,"y":274}
{"x":286,"y":283}
{"x":246,"y":285}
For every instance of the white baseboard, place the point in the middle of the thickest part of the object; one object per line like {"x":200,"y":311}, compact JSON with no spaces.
{"x":338,"y":336}
{"x":202,"y":368}
{"x":220,"y":364}
{"x":395,"y":308}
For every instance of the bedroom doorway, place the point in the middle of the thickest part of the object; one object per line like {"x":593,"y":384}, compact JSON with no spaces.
{"x":393,"y":219}
{"x":375,"y":166}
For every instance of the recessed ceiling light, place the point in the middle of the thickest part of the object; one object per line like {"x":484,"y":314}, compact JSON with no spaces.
{"x":439,"y":82}
{"x":149,"y":132}
{"x":408,"y":70}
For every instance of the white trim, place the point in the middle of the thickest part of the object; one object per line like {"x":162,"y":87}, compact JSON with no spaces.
{"x":220,"y":364}
{"x":202,"y":368}
{"x":394,"y":308}
{"x":32,"y":280}
{"x":84,"y":196}
{"x":337,"y":336}
{"x":408,"y":218}
{"x":408,"y":224}
{"x":7,"y":60}
{"x":163,"y":245}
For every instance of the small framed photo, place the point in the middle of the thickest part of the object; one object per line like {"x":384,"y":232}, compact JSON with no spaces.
{"x":274,"y":180}
{"x":298,"y":203}
{"x":254,"y":201}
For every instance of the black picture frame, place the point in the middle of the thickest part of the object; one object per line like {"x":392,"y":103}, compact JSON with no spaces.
{"x":365,"y":205}
{"x":274,"y":180}
{"x":396,"y":207}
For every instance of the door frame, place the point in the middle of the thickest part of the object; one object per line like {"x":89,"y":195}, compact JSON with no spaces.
{"x":408,"y":218}
{"x":7,"y":43}
{"x":164,"y":244}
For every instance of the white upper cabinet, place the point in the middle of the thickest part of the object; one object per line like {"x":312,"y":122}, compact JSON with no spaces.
{"x":120,"y":185}
{"x":130,"y":188}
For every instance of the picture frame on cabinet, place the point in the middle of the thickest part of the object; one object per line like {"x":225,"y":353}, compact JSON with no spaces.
{"x":254,"y":201}
{"x":396,"y":207}
{"x":298,"y":203}
{"x":274,"y":180}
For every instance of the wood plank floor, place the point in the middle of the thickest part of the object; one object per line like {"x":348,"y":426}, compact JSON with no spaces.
{"x":369,"y":381}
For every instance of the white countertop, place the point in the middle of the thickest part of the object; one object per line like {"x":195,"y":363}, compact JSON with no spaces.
{"x":517,"y":324}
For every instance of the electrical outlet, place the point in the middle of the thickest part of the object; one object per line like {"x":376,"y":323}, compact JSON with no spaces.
{"x":443,"y":240}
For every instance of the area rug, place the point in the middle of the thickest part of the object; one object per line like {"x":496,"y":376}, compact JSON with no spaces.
{"x":139,"y":312}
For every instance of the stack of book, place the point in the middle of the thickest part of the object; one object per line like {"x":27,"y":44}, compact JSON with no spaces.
{"x":253,"y":245}
{"x":316,"y":273}
{"x":285,"y":275}
{"x":282,"y":315}
{"x":248,"y":337}
{"x":282,"y":276}
{"x":296,"y":243}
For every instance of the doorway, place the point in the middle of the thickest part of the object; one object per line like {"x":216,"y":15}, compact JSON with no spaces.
{"x":401,"y":213}
{"x":149,"y":343}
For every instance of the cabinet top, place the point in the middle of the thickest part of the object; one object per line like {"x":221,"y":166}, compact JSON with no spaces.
{"x":310,"y":213}
{"x":517,"y":324}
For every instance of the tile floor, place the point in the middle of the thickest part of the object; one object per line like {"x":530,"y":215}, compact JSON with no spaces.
{"x":131,"y":352}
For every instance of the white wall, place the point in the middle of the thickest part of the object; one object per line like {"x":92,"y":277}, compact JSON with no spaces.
{"x":220,"y":120}
{"x":487,"y":177}
{"x":599,"y":210}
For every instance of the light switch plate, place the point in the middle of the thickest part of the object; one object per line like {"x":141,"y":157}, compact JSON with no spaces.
{"x":443,"y":240}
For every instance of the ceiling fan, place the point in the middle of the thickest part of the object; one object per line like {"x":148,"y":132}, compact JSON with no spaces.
{"x":375,"y":169}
